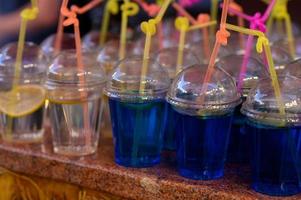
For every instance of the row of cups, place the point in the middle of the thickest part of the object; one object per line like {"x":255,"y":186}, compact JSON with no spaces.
{"x":172,"y":108}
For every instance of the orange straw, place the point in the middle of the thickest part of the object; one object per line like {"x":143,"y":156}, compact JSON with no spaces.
{"x":60,"y":30}
{"x":221,"y":39}
{"x":72,"y":20}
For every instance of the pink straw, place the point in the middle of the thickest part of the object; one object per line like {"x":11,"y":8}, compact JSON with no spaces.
{"x":257,"y":22}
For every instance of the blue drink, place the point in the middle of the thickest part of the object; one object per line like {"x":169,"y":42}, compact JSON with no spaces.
{"x":169,"y":141}
{"x":276,"y":159}
{"x":137,"y":129}
{"x":239,"y":145}
{"x":202,"y":145}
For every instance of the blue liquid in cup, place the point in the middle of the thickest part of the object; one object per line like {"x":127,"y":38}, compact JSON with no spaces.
{"x":138,"y":131}
{"x":239,"y":142}
{"x":276,"y":159}
{"x":169,"y":141}
{"x":202,"y":145}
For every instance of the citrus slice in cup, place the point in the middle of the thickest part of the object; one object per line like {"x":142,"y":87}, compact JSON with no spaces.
{"x":23,"y":100}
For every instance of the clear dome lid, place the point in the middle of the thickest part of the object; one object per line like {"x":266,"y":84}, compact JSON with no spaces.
{"x":126,"y":79}
{"x":283,"y":43}
{"x":167,"y":58}
{"x":291,"y":69}
{"x":262,"y":106}
{"x":47,"y":46}
{"x":91,"y":39}
{"x":108,"y":56}
{"x":187,"y":96}
{"x":33,"y":66}
{"x":65,"y":71}
{"x":280,"y":56}
{"x":255,"y":70}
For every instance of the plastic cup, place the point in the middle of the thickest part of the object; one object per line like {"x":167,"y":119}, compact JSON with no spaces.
{"x":279,"y":33}
{"x":203,"y":121}
{"x":75,"y":103}
{"x":167,"y":58}
{"x":22,"y":95}
{"x":239,"y":148}
{"x":91,"y":40}
{"x":281,"y":57}
{"x":283,"y":43}
{"x":138,"y":117}
{"x":275,"y":138}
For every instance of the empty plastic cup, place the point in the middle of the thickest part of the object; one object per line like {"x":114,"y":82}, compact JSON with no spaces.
{"x":275,"y":137}
{"x":75,"y":103}
{"x":238,"y":151}
{"x":167,"y":58}
{"x":22,"y":94}
{"x":204,"y":118}
{"x":138,"y":116}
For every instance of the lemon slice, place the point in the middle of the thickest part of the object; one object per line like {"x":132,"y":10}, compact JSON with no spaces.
{"x":23,"y":100}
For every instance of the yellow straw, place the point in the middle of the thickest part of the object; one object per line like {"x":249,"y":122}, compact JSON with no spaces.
{"x":111,"y":7}
{"x":149,"y":29}
{"x":162,"y":11}
{"x":264,"y":42}
{"x":128,"y":9}
{"x":200,"y":26}
{"x":181,"y":24}
{"x":214,"y":9}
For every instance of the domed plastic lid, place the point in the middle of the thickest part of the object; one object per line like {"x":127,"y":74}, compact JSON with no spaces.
{"x":33,"y":65}
{"x":291,"y":69}
{"x":65,"y":71}
{"x":126,"y":79}
{"x":167,"y":58}
{"x":263,"y":107}
{"x":280,"y":56}
{"x":284,"y":44}
{"x":255,"y":70}
{"x":187,"y":95}
{"x":68,"y":43}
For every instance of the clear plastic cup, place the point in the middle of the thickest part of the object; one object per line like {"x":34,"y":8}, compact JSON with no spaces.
{"x":281,"y":57}
{"x":91,"y":39}
{"x":203,"y":120}
{"x":138,"y":118}
{"x":275,"y":138}
{"x":75,"y":103}
{"x":22,"y":95}
{"x":167,"y":58}
{"x":278,"y":31}
{"x":283,"y":43}
{"x":239,"y":148}
{"x":48,"y":45}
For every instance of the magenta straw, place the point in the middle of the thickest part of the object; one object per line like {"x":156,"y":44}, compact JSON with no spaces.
{"x":257,"y":22}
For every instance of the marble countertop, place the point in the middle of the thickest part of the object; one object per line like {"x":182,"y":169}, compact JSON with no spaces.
{"x":99,"y":172}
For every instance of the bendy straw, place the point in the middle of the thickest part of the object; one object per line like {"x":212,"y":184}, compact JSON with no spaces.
{"x":110,"y":8}
{"x":263,"y":44}
{"x":128,"y":9}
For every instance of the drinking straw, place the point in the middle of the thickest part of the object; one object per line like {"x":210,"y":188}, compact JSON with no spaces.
{"x":71,"y":16}
{"x":60,"y":30}
{"x":27,"y":14}
{"x":213,"y":12}
{"x":221,"y":39}
{"x":128,"y":9}
{"x":257,"y":22}
{"x":149,"y":29}
{"x":110,"y":8}
{"x":263,"y":44}
{"x":240,"y":20}
{"x":280,"y":13}
{"x":181,"y":24}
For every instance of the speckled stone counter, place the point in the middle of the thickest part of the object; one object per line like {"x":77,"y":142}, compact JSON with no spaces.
{"x":99,"y":173}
